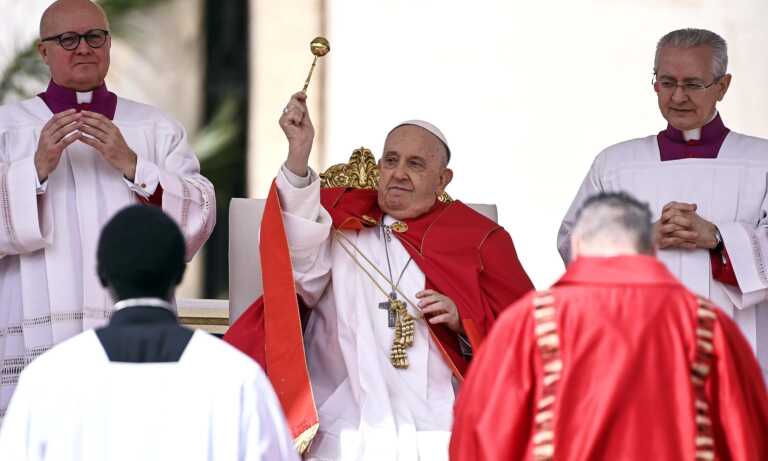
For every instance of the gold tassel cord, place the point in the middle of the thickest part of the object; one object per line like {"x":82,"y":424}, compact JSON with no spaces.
{"x":404,"y":332}
{"x":405,"y":325}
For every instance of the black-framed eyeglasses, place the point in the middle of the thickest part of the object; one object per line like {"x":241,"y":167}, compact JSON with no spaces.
{"x":95,"y":38}
{"x":669,"y":85}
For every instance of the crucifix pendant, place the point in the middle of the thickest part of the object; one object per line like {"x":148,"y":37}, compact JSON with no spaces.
{"x":391,"y":312}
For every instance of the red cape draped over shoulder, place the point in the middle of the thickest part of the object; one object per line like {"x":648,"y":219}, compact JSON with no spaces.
{"x":617,"y":361}
{"x":464,"y":255}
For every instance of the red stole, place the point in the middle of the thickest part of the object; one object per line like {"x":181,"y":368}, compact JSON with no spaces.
{"x":445,"y":243}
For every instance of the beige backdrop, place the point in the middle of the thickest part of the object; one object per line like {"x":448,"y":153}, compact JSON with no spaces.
{"x":527,"y":92}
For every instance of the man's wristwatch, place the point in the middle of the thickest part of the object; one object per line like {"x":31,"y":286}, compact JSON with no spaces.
{"x":718,"y":240}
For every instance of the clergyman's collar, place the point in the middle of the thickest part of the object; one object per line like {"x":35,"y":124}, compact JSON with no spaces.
{"x":144,"y":302}
{"x":60,"y":99}
{"x":675,"y":144}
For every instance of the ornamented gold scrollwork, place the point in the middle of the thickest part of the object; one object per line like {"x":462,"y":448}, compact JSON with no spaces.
{"x":361,"y":172}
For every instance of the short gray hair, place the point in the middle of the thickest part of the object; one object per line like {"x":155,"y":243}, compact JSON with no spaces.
{"x":615,"y":216}
{"x":691,"y":38}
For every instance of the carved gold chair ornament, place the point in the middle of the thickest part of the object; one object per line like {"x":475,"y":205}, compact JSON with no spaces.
{"x":361,"y":172}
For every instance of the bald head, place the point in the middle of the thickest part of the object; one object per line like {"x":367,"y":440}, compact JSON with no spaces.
{"x":84,"y":67}
{"x":63,"y":16}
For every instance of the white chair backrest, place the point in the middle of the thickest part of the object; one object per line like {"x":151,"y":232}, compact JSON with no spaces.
{"x":486,"y":209}
{"x":244,"y":262}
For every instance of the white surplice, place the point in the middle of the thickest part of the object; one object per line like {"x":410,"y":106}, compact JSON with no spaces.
{"x":49,"y":290}
{"x":729,"y":191}
{"x":214,"y":404}
{"x":368,"y":409}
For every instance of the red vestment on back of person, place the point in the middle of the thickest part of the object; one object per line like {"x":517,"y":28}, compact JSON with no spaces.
{"x":628,"y":336}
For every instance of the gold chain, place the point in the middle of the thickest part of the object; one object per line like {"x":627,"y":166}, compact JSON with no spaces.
{"x":405,"y":325}
{"x":357,"y":250}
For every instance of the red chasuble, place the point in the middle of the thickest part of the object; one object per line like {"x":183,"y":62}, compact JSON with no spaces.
{"x":618,"y":361}
{"x":463,"y":255}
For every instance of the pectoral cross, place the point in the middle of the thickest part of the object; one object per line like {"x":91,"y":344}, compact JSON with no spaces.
{"x":389,"y":306}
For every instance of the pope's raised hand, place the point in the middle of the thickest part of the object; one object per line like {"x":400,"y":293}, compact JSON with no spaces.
{"x":60,"y":131}
{"x":299,"y":131}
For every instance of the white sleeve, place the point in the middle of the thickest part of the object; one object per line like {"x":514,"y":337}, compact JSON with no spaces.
{"x":146,"y":179}
{"x":590,"y":186}
{"x":747,"y":247}
{"x":264,"y":432}
{"x":297,"y":181}
{"x":188,"y":196}
{"x":308,"y":231}
{"x":25,"y":221}
{"x":17,"y":441}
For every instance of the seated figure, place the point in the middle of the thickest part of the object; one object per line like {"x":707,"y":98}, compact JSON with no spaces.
{"x":400,"y":286}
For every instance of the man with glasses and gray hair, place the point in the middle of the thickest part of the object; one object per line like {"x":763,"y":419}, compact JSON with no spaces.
{"x":70,"y":158}
{"x":617,"y":360}
{"x":706,"y":185}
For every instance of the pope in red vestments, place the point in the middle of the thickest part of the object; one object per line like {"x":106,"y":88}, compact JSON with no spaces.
{"x":618,"y":360}
{"x":347,"y":252}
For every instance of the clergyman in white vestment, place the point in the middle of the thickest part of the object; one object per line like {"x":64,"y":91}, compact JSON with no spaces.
{"x":69,"y":159}
{"x":706,"y":185}
{"x":370,"y":409}
{"x":144,"y":387}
